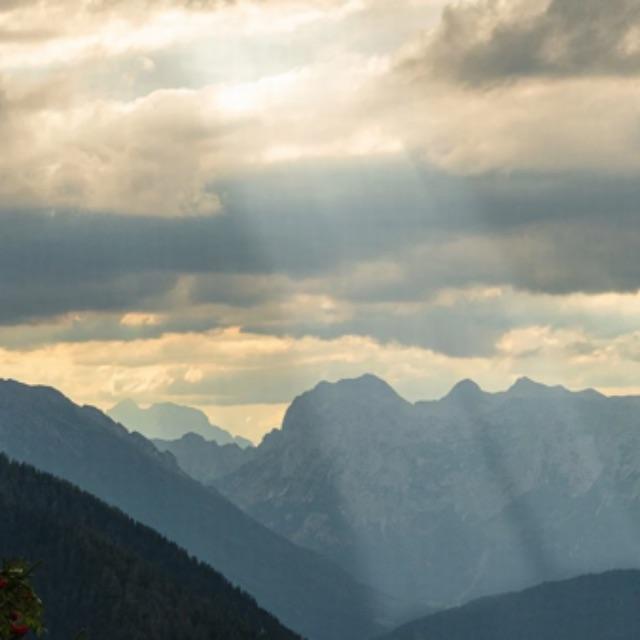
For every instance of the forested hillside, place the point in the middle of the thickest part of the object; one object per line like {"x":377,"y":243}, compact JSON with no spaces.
{"x":119,"y":580}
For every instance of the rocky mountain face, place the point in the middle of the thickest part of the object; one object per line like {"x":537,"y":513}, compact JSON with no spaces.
{"x":441,"y":502}
{"x":594,"y":607}
{"x":170,"y":421}
{"x":205,"y":460}
{"x":40,"y":426}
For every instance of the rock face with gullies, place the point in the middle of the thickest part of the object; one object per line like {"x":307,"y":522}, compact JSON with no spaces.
{"x":309,"y":594}
{"x":440,"y":502}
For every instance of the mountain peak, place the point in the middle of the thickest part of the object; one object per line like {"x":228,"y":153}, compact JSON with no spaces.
{"x":15,"y":388}
{"x":367,"y":381}
{"x":125,"y":404}
{"x":196,"y":438}
{"x":466,"y":390}
{"x":365,"y":386}
{"x":331,"y":406}
{"x":525,"y":386}
{"x":525,"y":381}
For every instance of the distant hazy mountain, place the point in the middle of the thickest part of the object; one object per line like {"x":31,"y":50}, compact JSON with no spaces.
{"x":445,"y":501}
{"x":597,"y":607}
{"x":205,"y":460}
{"x":40,"y":426}
{"x":170,"y":421}
{"x":114,"y":578}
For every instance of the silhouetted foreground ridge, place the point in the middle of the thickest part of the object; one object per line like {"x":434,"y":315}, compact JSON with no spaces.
{"x":596,"y":607}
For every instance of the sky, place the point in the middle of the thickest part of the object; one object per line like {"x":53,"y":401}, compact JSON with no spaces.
{"x":220,"y":203}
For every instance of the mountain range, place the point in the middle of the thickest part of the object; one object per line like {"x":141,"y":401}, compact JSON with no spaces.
{"x":101,"y":572}
{"x":423,"y":506}
{"x":309,"y":594}
{"x":169,"y":421}
{"x":445,"y":501}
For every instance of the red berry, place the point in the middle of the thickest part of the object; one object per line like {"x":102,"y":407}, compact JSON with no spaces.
{"x":19,"y":630}
{"x":14,"y":616}
{"x":3,"y":583}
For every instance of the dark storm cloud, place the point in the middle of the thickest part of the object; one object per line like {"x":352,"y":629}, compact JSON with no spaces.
{"x":551,"y":260}
{"x":32,"y":295}
{"x":544,"y":234}
{"x":485,"y":43}
{"x":466,"y":330}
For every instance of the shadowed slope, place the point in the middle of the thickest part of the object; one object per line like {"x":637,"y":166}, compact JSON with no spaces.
{"x":103,"y":572}
{"x":597,"y":607}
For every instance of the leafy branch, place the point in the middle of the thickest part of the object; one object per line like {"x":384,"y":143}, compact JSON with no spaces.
{"x":20,"y":607}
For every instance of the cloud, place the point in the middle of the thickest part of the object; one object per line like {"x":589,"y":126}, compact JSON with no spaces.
{"x":155,"y":156}
{"x":44,"y":298}
{"x":529,"y":85}
{"x":489,"y":42}
{"x":161,"y":152}
{"x":360,"y":234}
{"x":574,"y":125}
{"x":143,"y":147}
{"x":36,"y":34}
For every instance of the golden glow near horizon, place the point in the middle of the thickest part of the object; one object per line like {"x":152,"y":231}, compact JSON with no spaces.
{"x":221,"y":203}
